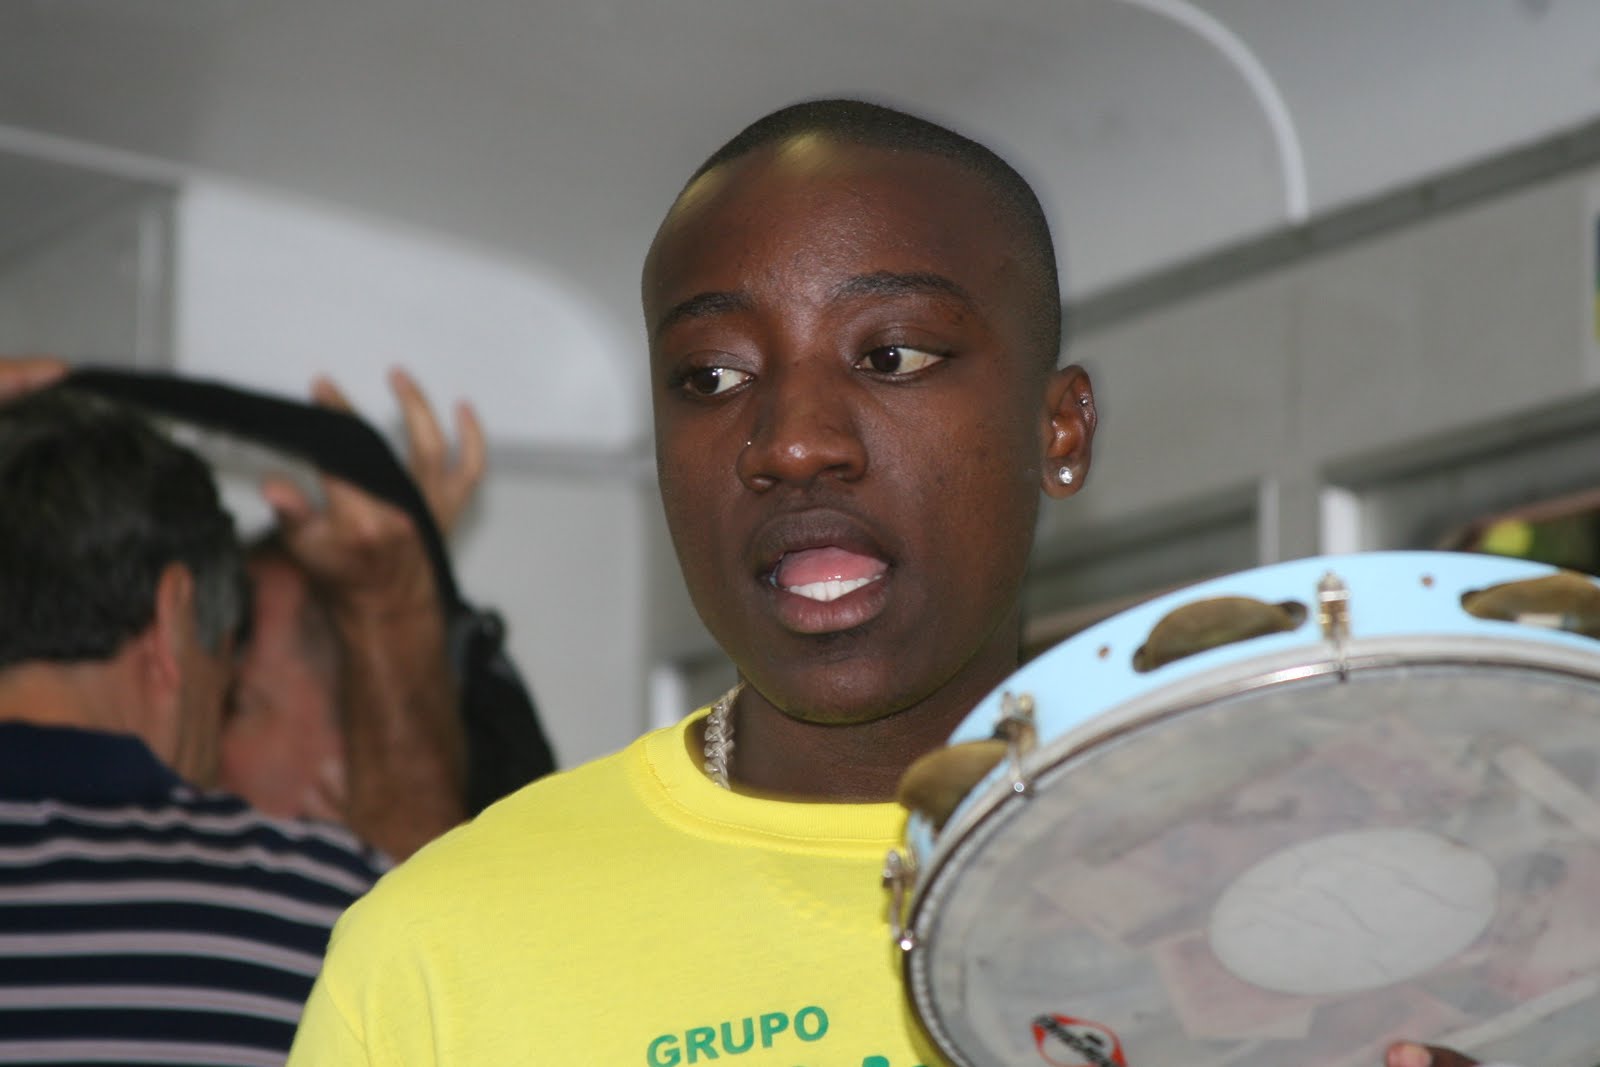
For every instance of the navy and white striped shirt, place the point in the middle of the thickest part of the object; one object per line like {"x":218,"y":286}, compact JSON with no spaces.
{"x":142,"y":921}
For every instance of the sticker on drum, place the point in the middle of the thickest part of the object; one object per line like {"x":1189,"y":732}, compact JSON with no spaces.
{"x":1377,"y":817}
{"x":1068,"y":1042}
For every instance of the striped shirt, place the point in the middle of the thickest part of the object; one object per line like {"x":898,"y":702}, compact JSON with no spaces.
{"x":144,"y":922}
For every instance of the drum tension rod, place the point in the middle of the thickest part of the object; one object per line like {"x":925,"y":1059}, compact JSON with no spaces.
{"x":900,"y":875}
{"x":1016,"y":728}
{"x":1333,"y":615}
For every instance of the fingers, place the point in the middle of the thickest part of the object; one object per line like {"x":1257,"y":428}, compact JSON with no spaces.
{"x":348,"y":511}
{"x":364,"y":552}
{"x":24,"y":374}
{"x":472,"y":447}
{"x":426,"y":447}
{"x":446,"y":486}
{"x":348,"y":517}
{"x":1411,"y":1054}
{"x":288,"y":501}
{"x":325,"y":392}
{"x":361,"y":550}
{"x":324,"y":796}
{"x":303,"y":526}
{"x":348,"y":507}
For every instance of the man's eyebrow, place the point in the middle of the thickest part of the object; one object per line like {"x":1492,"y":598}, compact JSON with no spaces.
{"x":890,"y":283}
{"x":701,"y":305}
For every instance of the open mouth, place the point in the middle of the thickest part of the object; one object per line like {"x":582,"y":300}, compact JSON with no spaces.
{"x":830,"y":590}
{"x":826,"y":573}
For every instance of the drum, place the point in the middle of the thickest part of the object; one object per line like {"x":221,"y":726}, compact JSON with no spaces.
{"x":1283,"y":817}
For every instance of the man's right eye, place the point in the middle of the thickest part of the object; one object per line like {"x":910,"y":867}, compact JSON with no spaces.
{"x":709,"y":381}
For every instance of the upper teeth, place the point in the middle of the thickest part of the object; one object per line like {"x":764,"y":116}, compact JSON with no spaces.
{"x":829,"y":590}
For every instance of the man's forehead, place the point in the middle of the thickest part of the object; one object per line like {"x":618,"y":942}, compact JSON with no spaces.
{"x":825,"y":166}
{"x":843,"y":188}
{"x":801,"y":157}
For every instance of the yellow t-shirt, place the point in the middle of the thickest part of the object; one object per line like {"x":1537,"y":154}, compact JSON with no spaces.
{"x":627,"y":912}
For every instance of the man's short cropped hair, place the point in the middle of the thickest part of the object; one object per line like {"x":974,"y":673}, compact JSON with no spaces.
{"x":94,"y":504}
{"x":873,"y":125}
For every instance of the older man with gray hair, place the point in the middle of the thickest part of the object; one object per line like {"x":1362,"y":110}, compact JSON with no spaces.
{"x":143,"y":918}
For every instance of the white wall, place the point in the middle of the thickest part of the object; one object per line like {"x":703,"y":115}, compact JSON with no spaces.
{"x":1459,"y":329}
{"x":273,"y":291}
{"x":561,"y":558}
{"x":97,"y":289}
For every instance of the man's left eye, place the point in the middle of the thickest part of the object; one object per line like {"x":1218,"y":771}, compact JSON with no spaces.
{"x":898,"y":359}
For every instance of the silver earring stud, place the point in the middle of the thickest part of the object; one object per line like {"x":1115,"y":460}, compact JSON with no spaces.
{"x":1064,"y":475}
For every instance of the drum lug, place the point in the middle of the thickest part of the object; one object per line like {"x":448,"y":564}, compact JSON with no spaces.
{"x":1016,"y":728}
{"x":1333,"y":615}
{"x":900,"y":875}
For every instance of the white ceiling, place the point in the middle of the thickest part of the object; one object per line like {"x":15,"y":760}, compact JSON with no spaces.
{"x":559,"y":132}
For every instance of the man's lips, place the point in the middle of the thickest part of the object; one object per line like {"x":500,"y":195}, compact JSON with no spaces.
{"x":827,"y":570}
{"x":826,"y":573}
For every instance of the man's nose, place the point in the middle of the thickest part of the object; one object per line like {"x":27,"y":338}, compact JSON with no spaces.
{"x":805,"y":427}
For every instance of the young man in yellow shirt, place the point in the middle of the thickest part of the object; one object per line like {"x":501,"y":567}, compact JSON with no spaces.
{"x":854,"y":323}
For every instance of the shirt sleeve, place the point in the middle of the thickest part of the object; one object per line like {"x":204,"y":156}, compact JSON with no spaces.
{"x":326,"y":1036}
{"x":369,"y":1007}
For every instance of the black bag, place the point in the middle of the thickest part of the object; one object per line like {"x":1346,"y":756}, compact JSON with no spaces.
{"x":506,"y":744}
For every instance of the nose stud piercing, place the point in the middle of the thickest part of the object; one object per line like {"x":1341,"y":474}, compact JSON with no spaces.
{"x":1064,"y":475}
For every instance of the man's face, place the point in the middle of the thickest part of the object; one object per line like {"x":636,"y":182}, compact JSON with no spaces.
{"x":282,"y":749}
{"x":849,"y":423}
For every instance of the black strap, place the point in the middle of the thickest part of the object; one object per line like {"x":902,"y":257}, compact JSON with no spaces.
{"x":337,"y":442}
{"x":506,"y":744}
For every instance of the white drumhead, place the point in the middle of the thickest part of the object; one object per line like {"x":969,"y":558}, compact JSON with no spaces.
{"x":1353,"y":911}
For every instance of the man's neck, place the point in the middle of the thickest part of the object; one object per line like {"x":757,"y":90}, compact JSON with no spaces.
{"x":65,"y":694}
{"x":862,"y":763}
{"x":785,"y":756}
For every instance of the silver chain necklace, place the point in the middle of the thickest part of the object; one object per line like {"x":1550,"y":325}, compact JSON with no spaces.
{"x":719,"y":737}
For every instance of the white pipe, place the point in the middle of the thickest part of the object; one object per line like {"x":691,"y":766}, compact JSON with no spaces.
{"x":1292,"y":160}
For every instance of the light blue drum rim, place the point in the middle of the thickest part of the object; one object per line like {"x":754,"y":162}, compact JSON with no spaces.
{"x":1394,"y":597}
{"x":1387,"y":597}
{"x":1391,"y":594}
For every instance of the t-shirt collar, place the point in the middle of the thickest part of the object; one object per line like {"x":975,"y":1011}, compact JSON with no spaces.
{"x":84,"y":766}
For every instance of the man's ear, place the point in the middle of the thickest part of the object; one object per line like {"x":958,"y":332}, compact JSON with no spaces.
{"x":1068,"y":431}
{"x":167,"y":639}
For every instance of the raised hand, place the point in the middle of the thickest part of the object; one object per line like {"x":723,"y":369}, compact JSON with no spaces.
{"x":363,"y":552}
{"x":404,"y":748}
{"x":448,"y":476}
